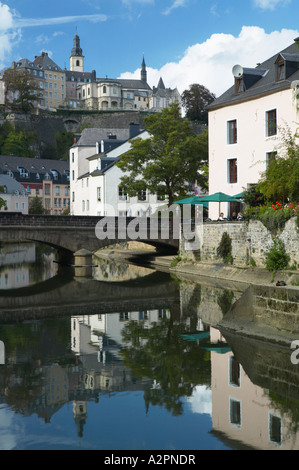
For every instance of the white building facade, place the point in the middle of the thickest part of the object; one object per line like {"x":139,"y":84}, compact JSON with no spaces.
{"x":247,"y":122}
{"x":95,"y":185}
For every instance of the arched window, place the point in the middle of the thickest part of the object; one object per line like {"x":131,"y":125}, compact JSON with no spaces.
{"x":104,"y":89}
{"x":77,"y":63}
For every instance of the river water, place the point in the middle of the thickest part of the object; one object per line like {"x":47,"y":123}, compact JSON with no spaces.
{"x":132,"y":359}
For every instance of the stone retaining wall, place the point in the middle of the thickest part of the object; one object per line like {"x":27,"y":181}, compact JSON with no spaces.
{"x":250,"y":242}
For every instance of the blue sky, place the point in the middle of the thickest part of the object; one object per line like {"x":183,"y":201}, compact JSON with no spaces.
{"x":184,"y":41}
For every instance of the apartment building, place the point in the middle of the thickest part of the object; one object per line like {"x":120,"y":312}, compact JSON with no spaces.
{"x":43,"y":178}
{"x":95,"y":179}
{"x":246,"y":124}
{"x":50,"y":79}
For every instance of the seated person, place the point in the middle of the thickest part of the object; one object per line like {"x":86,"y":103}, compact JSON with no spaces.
{"x":240,"y":216}
{"x":221,"y":216}
{"x":234,"y":216}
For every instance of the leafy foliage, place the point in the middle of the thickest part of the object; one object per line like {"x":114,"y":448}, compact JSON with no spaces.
{"x":195,"y":101}
{"x":169,"y":160}
{"x":21,"y":90}
{"x":273,"y":216}
{"x":277,"y":258}
{"x":253,"y":197}
{"x":280,"y":182}
{"x":19,"y":143}
{"x":2,"y":202}
{"x":63,"y":141}
{"x":152,"y":353}
{"x":36,"y":206}
{"x":224,"y":250}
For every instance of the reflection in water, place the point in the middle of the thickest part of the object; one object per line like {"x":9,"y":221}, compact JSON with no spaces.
{"x":24,"y":264}
{"x":143,"y":378}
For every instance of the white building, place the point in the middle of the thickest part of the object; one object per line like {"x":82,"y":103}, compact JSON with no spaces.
{"x":246,"y":122}
{"x":95,"y":185}
{"x":14,"y":195}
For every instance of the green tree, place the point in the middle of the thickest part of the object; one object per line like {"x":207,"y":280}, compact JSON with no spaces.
{"x":169,"y":160}
{"x":5,"y":129}
{"x":159,"y":353}
{"x":36,"y":206}
{"x":18,"y":143}
{"x":280,"y":181}
{"x":195,"y":102}
{"x":21,"y":89}
{"x":63,"y":141}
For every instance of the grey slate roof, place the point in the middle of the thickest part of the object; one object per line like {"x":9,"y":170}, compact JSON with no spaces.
{"x":34,"y":166}
{"x":90,"y":136}
{"x":81,"y":75}
{"x":40,"y":165}
{"x":46,"y":63}
{"x":266,"y":84}
{"x":133,"y":84}
{"x":10,"y":184}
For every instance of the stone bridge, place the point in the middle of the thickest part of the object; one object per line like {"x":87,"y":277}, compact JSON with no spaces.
{"x":68,"y":234}
{"x":65,"y":295}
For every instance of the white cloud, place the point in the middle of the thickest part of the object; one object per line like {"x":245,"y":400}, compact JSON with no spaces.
{"x":8,"y":36}
{"x":201,"y":400}
{"x":6,"y":17}
{"x":11,"y":25}
{"x":28,"y":22}
{"x":7,"y":430}
{"x":175,"y":4}
{"x":210,"y":63}
{"x":270,"y":4}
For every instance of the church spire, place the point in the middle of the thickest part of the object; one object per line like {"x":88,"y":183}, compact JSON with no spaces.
{"x":143,"y":72}
{"x":76,"y":51}
{"x":77,"y":58}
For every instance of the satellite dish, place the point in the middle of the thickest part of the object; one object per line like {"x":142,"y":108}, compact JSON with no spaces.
{"x":237,"y":71}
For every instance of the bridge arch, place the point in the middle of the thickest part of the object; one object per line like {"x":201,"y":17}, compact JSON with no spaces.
{"x":68,"y":234}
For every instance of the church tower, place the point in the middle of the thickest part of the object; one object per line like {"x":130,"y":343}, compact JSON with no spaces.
{"x":77,"y":58}
{"x":143,"y":72}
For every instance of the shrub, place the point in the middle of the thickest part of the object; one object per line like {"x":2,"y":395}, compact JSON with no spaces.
{"x":277,"y":258}
{"x":273,"y":216}
{"x":224,"y":249}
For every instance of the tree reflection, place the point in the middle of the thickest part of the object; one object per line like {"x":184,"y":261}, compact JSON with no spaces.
{"x":160,"y":354}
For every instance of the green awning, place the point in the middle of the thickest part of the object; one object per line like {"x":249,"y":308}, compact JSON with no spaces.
{"x":193,"y":200}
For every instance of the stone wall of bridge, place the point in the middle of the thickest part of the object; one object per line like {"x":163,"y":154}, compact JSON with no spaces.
{"x":69,"y":234}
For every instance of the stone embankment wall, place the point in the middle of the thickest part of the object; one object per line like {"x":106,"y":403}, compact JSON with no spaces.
{"x":265,"y":312}
{"x":250,"y":242}
{"x":45,"y":124}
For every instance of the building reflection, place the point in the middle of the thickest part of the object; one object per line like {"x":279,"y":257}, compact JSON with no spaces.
{"x":246,"y":413}
{"x":78,"y":359}
{"x":96,"y":341}
{"x":24,"y":264}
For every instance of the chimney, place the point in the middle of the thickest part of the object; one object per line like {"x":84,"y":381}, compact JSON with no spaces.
{"x":134,"y":130}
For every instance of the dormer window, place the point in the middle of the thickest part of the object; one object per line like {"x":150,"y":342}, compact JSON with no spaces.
{"x":23,"y":172}
{"x":280,"y":69}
